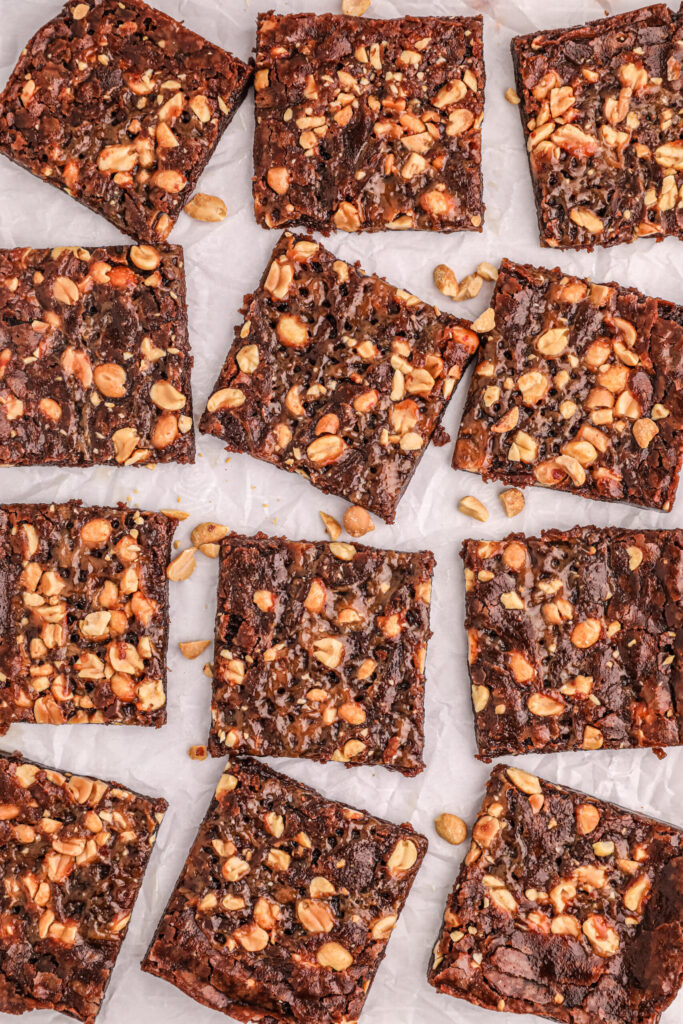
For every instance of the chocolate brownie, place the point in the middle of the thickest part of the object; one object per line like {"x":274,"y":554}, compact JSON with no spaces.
{"x":94,"y":357}
{"x":73,"y":853}
{"x":601,"y":112}
{"x":337,"y":376}
{"x":576,"y":639}
{"x":368,"y":125}
{"x":121,"y":107}
{"x":320,"y":652}
{"x":565,"y":906}
{"x":83,"y":614}
{"x":286,"y":902}
{"x":579,"y":387}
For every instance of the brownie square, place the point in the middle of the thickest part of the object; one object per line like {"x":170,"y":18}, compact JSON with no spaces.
{"x":579,"y":386}
{"x":369,"y":125}
{"x":320,"y":652}
{"x":337,"y":376}
{"x":575,"y":640}
{"x":73,"y":853}
{"x":286,"y":902}
{"x":122,"y":107}
{"x":600,"y":107}
{"x":565,"y":906}
{"x":94,"y":357}
{"x":83,"y":614}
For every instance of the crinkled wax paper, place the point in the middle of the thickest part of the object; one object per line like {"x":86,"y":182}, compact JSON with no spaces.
{"x":224,"y":261}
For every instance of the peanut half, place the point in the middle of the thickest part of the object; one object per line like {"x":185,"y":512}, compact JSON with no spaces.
{"x":207,"y":208}
{"x":451,"y":828}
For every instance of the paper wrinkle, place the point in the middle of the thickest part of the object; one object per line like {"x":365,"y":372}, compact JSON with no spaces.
{"x":224,"y":262}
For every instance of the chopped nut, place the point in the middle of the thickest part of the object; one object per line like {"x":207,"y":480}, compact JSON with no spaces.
{"x":544,"y":706}
{"x":487,"y":271}
{"x":511,"y":96}
{"x":451,"y":828}
{"x":480,"y":697}
{"x":512,"y":501}
{"x":315,"y":916}
{"x":208,"y":533}
{"x":586,"y":633}
{"x":175,"y":513}
{"x":527,"y":783}
{"x":198,"y":752}
{"x":193,"y":648}
{"x":226,"y":398}
{"x":345,"y":552}
{"x":332,"y":955}
{"x":471,"y":506}
{"x":331,"y":525}
{"x":357,"y":521}
{"x":485,"y":322}
{"x":206,"y":207}
{"x":469,"y":287}
{"x":445,"y":281}
{"x":182,"y":567}
{"x":644,"y":430}
{"x":356,"y":8}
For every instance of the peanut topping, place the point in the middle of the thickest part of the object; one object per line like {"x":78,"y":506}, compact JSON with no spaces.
{"x":402,"y":858}
{"x":471,"y":506}
{"x":334,"y":956}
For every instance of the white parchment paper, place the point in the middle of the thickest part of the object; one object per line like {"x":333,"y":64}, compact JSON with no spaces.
{"x":223,"y":262}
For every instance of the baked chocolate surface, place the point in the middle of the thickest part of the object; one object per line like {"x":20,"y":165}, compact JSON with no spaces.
{"x":286,"y":902}
{"x":368,"y":125}
{"x":337,"y":376}
{"x":579,"y":387}
{"x":94,"y":357}
{"x":575,"y":639}
{"x":73,"y":853}
{"x":565,"y":906}
{"x":121,"y":107}
{"x":83,"y":614}
{"x":600,"y":107}
{"x":320,"y":652}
